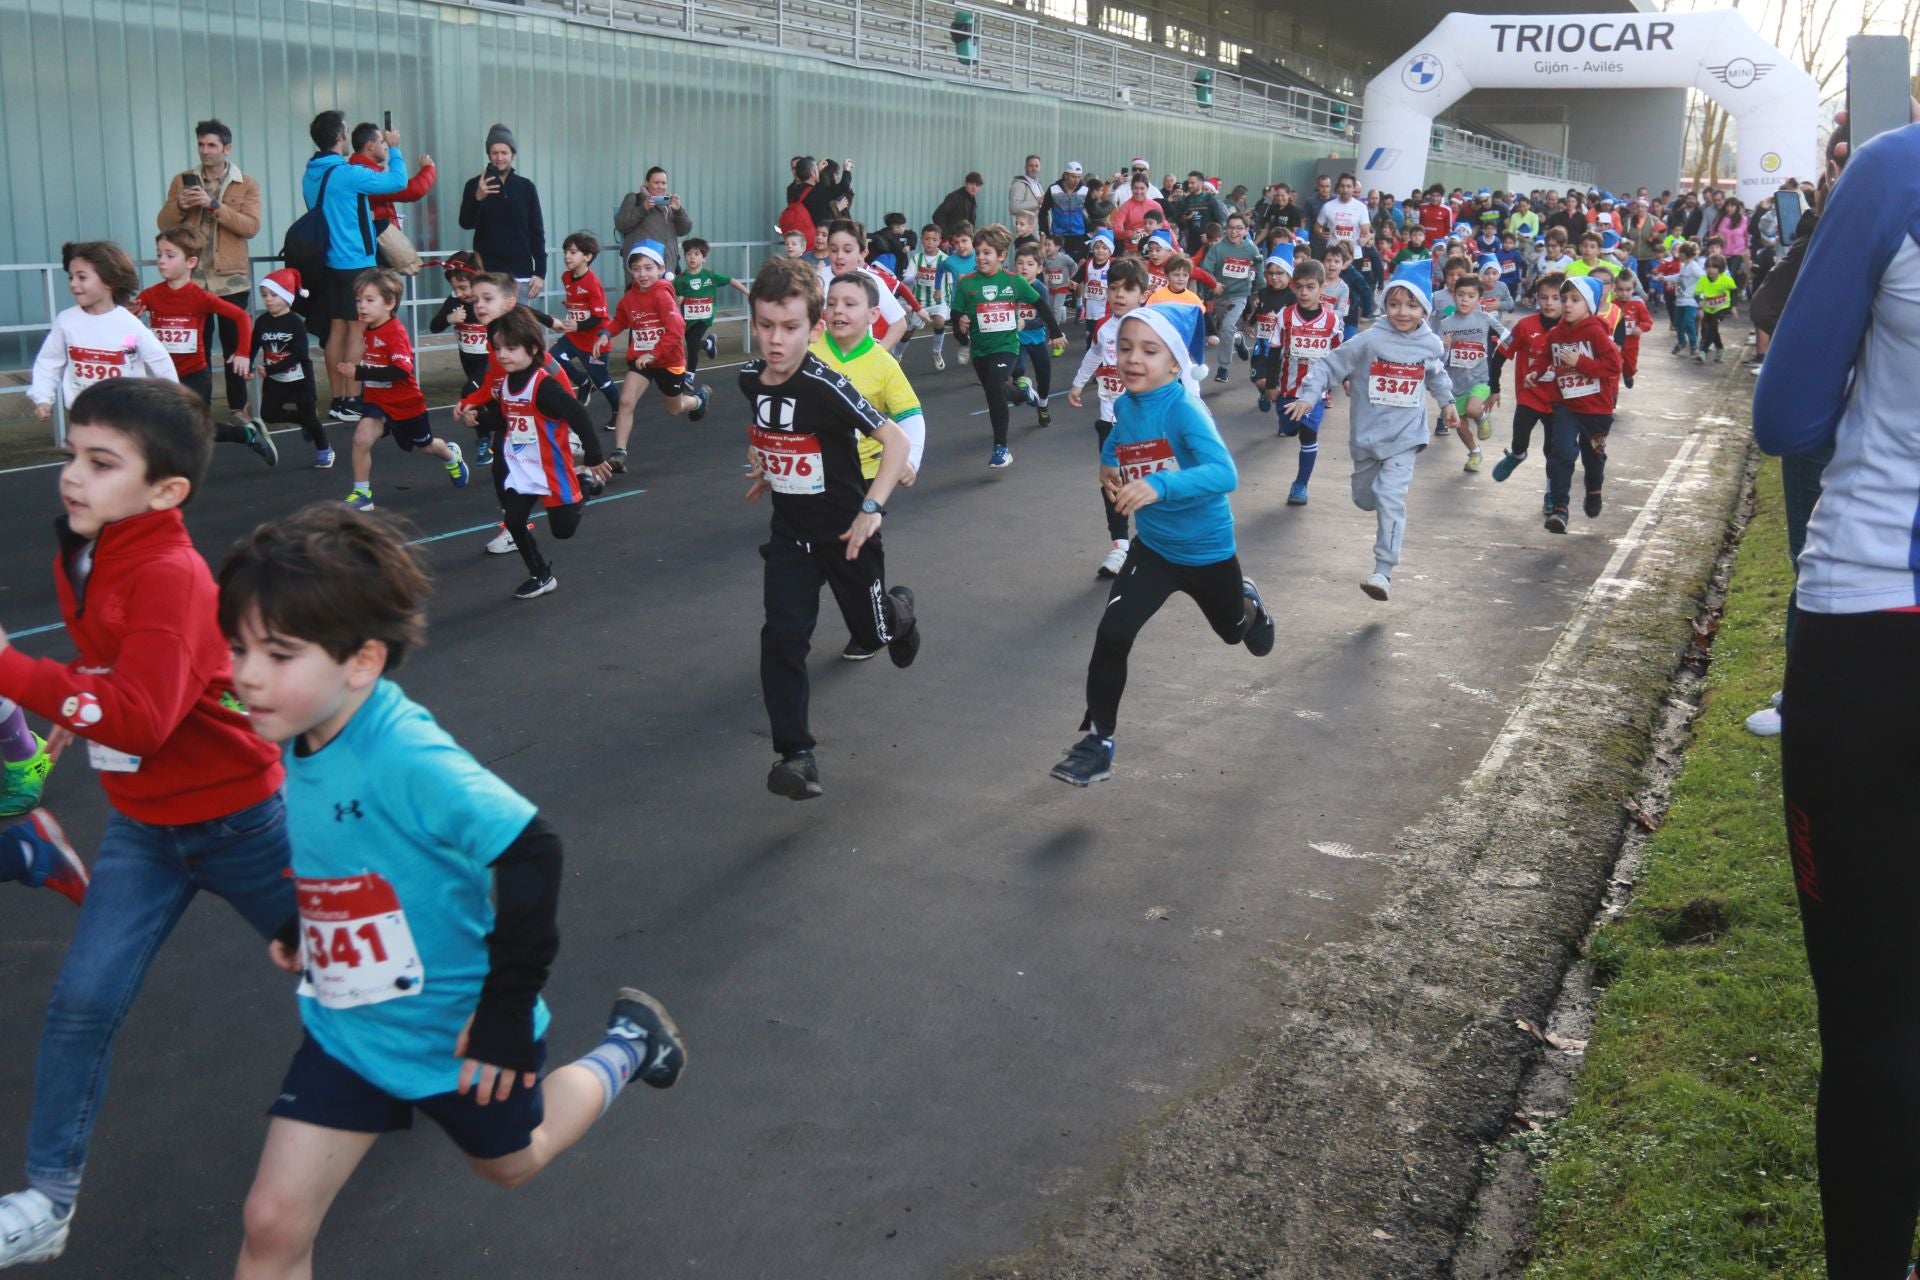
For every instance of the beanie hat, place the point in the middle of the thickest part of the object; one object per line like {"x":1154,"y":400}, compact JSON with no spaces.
{"x":649,"y":249}
{"x":1282,"y":254}
{"x":1177,"y":326}
{"x":1594,"y":292}
{"x":1417,"y":279}
{"x":284,"y":284}
{"x":500,"y":133}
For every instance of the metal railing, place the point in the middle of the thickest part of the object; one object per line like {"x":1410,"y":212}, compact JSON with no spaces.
{"x":416,"y":308}
{"x":1468,"y":147}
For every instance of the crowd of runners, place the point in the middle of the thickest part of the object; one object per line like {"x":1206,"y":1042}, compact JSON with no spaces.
{"x":244,"y":723}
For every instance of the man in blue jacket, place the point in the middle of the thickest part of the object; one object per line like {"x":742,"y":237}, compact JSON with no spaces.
{"x":350,"y":244}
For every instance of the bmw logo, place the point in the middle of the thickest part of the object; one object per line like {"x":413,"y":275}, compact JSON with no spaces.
{"x":1422,"y":72}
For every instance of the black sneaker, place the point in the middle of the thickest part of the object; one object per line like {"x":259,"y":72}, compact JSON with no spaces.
{"x":535,"y":587}
{"x":1259,"y":637}
{"x":1088,"y":761}
{"x":639,"y":1018}
{"x":854,"y":652}
{"x":795,"y":776}
{"x":352,"y":409}
{"x":1557,"y":520}
{"x":1046,"y":416}
{"x":618,"y":461}
{"x":261,"y":442}
{"x":1546,"y":504}
{"x":905,"y":647}
{"x":700,"y":411}
{"x":333,"y":408}
{"x":708,"y":345}
{"x":1593,"y":504}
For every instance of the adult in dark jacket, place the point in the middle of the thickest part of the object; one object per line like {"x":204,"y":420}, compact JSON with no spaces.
{"x":822,"y":184}
{"x":653,"y":213}
{"x":502,"y":209}
{"x":1099,"y":204}
{"x":961,"y":205}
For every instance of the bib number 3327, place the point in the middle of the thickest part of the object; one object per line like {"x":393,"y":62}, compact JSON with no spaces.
{"x":355,"y":946}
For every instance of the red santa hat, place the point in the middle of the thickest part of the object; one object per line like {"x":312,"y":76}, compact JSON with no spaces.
{"x":286,"y":283}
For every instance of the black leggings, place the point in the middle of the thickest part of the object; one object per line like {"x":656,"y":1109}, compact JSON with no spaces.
{"x":1848,"y":760}
{"x":1116,"y":523}
{"x":564,"y":521}
{"x":696,"y":333}
{"x":790,"y":587}
{"x":1145,"y":582}
{"x":1525,"y":419}
{"x":1710,"y":330}
{"x":995,"y":372}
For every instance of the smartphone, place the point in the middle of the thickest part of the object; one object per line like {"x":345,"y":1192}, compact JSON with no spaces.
{"x":661,"y":200}
{"x":1789,"y":206}
{"x":189,"y":179}
{"x":387,"y":117}
{"x":1879,"y":87}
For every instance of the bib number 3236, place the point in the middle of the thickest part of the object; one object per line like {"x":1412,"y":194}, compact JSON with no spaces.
{"x":355,"y":947}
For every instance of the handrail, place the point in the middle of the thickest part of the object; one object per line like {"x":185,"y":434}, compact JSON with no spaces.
{"x":411,"y":303}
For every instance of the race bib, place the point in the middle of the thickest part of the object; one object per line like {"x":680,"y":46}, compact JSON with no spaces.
{"x":1055,"y":279}
{"x":96,"y":364}
{"x":107,"y":760}
{"x":1096,"y":290}
{"x":1467,"y":353}
{"x":1145,"y":457}
{"x":1237,"y":268}
{"x":790,"y":462}
{"x":520,"y":425}
{"x":579,"y":315}
{"x":998,"y":317}
{"x":1110,"y":384}
{"x":645,"y":340}
{"x":1573,"y":386}
{"x":1311,"y":346}
{"x":473,"y":339}
{"x":1267,"y":327}
{"x":355,"y":946}
{"x":697,"y":308}
{"x":177,"y":339}
{"x":1395,"y":385}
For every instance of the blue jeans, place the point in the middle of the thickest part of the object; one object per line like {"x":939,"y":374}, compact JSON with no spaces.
{"x":1688,"y":319}
{"x":1800,"y":490}
{"x":142,"y":882}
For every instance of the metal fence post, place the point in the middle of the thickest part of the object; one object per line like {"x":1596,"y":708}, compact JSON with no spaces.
{"x":59,"y":401}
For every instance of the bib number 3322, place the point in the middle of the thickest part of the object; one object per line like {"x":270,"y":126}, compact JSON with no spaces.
{"x":355,"y":946}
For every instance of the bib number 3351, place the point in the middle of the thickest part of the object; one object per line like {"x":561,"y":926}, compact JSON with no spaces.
{"x":355,"y":946}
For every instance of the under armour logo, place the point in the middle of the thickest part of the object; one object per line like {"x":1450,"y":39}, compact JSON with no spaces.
{"x":351,"y":809}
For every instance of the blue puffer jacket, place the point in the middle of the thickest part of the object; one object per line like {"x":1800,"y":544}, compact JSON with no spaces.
{"x":349,"y":226}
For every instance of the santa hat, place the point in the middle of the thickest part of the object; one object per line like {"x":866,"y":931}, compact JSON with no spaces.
{"x":1486,"y":260}
{"x":1163,"y":235}
{"x":1178,"y":327}
{"x":649,"y":249}
{"x":1417,"y":279}
{"x":1102,"y":236}
{"x":285,"y":285}
{"x":1594,"y":292}
{"x":1281,"y":253}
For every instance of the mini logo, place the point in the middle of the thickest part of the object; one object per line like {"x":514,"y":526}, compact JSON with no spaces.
{"x":351,"y":809}
{"x":82,"y":710}
{"x":1770,"y":162}
{"x":773,"y":413}
{"x":1422,"y":72}
{"x":1741,"y":72}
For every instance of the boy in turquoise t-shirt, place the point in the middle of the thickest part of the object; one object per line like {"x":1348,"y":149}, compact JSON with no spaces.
{"x":699,"y":290}
{"x":426,"y":889}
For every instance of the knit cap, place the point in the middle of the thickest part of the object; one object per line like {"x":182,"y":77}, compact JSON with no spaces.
{"x":500,"y":133}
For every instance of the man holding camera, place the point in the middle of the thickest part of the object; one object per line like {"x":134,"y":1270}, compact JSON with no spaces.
{"x":223,"y":205}
{"x":502,"y":209}
{"x":653,"y":214}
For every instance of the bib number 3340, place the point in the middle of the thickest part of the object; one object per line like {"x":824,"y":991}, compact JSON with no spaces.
{"x":355,"y":946}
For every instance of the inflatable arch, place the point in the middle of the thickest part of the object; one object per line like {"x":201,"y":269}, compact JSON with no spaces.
{"x":1773,"y":102}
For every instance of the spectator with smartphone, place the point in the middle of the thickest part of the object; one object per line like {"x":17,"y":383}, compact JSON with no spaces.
{"x":370,"y":152}
{"x":502,"y":209}
{"x":653,"y":213}
{"x":223,"y":205}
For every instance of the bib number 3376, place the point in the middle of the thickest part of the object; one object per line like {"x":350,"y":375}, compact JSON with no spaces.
{"x":355,"y":946}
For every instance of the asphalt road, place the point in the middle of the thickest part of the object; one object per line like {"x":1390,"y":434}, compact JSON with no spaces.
{"x":930,"y":1007}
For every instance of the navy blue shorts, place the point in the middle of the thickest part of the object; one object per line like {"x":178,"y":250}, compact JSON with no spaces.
{"x":321,"y":1090}
{"x":408,"y":433}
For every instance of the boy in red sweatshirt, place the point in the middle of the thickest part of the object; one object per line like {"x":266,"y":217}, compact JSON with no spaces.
{"x":1529,"y":349}
{"x":176,"y":310}
{"x":649,"y":314}
{"x":1586,"y":386}
{"x":194,"y":793}
{"x":1635,"y":320}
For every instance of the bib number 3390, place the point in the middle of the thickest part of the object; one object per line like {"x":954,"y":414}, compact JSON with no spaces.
{"x":355,"y":946}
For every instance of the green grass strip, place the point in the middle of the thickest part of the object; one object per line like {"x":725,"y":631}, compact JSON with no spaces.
{"x":1689,"y":1150}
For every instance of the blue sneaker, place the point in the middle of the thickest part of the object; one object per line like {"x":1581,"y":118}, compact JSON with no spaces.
{"x":1297,"y":494}
{"x":645,"y":1023}
{"x":1546,"y":504}
{"x":1259,"y":637}
{"x":44,"y":858}
{"x":322,"y":459}
{"x":1266,"y":403}
{"x":699,"y":411}
{"x":1002,"y":457}
{"x":482,"y":453}
{"x":1088,"y":761}
{"x":457,"y":470}
{"x":1508,"y":461}
{"x":1024,"y":386}
{"x":708,"y":345}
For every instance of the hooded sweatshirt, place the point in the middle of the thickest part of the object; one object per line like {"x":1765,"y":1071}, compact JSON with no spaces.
{"x":1388,"y":368}
{"x":1592,"y":385}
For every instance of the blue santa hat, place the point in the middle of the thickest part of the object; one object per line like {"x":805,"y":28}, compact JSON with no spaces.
{"x":1487,"y":260}
{"x":649,"y":249}
{"x":1608,"y":239}
{"x":1105,"y":236}
{"x":1163,"y":235}
{"x":1301,"y":237}
{"x":1281,"y":253}
{"x":1593,"y":289}
{"x":1179,"y":327}
{"x":1417,"y":279}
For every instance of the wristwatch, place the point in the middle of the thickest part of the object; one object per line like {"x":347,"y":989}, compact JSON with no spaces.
{"x":871,"y":508}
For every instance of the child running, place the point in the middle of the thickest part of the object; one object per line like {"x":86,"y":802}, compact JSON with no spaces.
{"x":1686,"y":302}
{"x":193,"y":794}
{"x":281,"y":360}
{"x":98,"y":338}
{"x":804,"y":445}
{"x":1035,"y":352}
{"x":1310,"y":331}
{"x":1530,"y":349}
{"x":1635,"y":321}
{"x":932,"y":281}
{"x":394,"y":403}
{"x":1165,"y":465}
{"x":176,"y":310}
{"x":1388,"y":365}
{"x":986,"y":316}
{"x":699,"y":290}
{"x":1586,"y":385}
{"x":1262,"y":322}
{"x":649,"y":314}
{"x":456,"y":311}
{"x":579,"y":350}
{"x":1125,"y":282}
{"x":1715,"y":291}
{"x":1469,"y":335}
{"x":424,"y":933}
{"x":1091,"y":279}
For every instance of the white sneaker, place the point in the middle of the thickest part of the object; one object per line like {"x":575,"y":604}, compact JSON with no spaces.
{"x":939,"y":362}
{"x":502,"y":543}
{"x":1765,"y":722}
{"x":1110,"y":567}
{"x":1376,"y":585}
{"x":30,"y":1231}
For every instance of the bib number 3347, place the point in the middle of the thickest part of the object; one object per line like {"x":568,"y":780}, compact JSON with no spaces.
{"x":355,"y":946}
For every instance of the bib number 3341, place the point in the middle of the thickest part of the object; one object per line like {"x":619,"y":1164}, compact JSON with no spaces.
{"x":355,"y":946}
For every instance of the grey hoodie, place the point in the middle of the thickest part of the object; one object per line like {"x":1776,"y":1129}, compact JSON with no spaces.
{"x":1388,"y":369}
